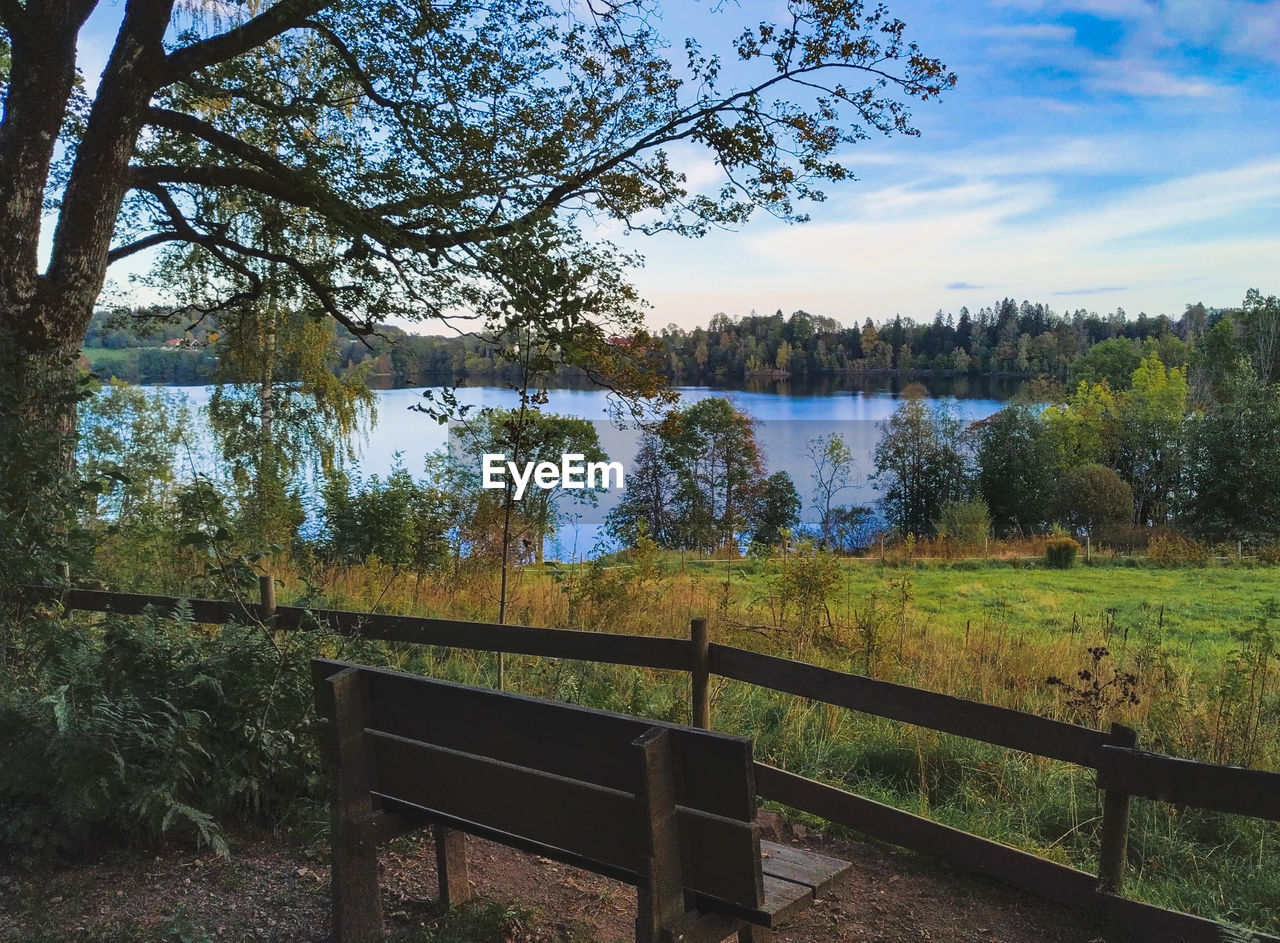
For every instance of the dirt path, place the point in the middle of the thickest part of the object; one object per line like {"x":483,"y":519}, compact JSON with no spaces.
{"x":269,"y":891}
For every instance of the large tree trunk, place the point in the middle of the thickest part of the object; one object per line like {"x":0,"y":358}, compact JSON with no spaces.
{"x":43,"y":316}
{"x":38,"y":396}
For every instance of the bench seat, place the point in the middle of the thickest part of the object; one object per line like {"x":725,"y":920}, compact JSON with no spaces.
{"x":793,"y":877}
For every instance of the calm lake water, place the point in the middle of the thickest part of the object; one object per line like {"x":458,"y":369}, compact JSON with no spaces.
{"x":787,"y":420}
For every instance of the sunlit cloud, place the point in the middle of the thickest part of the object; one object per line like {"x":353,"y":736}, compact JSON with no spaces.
{"x":911,"y":249}
{"x":1144,"y":80}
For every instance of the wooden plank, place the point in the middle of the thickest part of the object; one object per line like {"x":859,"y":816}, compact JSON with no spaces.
{"x":1043,"y":878}
{"x":986,"y":722}
{"x":547,"y":735}
{"x":1055,"y":882}
{"x":660,"y":898}
{"x":640,"y":650}
{"x":1150,"y":924}
{"x":608,"y":648}
{"x":1114,"y":839}
{"x":591,"y":821}
{"x":801,"y":866}
{"x":1186,"y":782}
{"x":357,"y":900}
{"x":700,"y":707}
{"x":627,"y":875}
{"x":782,"y":899}
{"x":210,"y":611}
{"x":720,"y":857}
{"x":452,"y":874}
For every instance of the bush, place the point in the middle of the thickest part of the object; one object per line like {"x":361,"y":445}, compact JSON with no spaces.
{"x":138,"y":729}
{"x":1175,"y":550}
{"x":1094,"y":498}
{"x":966,"y":522}
{"x":1060,"y":553}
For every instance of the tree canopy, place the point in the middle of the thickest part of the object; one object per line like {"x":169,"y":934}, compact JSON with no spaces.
{"x":417,"y":145}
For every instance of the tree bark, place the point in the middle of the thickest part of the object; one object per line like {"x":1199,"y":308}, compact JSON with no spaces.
{"x":38,"y":394}
{"x":43,"y":316}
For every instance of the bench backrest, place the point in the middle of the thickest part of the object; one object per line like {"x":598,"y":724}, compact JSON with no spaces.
{"x":567,"y":780}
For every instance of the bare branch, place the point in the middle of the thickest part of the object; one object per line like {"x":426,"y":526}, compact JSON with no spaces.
{"x":280,"y":18}
{"x":353,"y":65}
{"x":130,"y":248}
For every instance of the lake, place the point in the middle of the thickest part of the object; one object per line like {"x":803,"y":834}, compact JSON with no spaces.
{"x":786,"y":422}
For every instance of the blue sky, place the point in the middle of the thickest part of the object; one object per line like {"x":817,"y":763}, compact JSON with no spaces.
{"x":1095,"y":154}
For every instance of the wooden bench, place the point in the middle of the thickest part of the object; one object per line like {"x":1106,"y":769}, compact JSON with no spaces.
{"x":666,"y":808}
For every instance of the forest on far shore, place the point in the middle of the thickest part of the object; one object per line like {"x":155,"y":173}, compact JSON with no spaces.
{"x":1007,"y":339}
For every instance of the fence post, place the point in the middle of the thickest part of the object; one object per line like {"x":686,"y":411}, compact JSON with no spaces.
{"x":1115,"y":821}
{"x":700,"y":673}
{"x":267,"y":588}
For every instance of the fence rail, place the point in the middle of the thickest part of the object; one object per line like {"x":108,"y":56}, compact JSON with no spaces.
{"x":1123,"y":770}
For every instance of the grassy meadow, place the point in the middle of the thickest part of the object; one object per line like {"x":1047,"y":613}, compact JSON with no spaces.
{"x":1184,"y":654}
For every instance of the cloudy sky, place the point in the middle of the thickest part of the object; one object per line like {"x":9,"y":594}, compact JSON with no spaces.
{"x":1095,"y":154}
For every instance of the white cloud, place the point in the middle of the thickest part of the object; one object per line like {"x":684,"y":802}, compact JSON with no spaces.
{"x":908,"y":249}
{"x":1148,"y":81}
{"x":1256,"y":30}
{"x":1035,"y":32}
{"x":1095,"y":154}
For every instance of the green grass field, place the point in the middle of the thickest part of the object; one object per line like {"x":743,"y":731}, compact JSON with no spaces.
{"x":107,"y":355}
{"x":1196,"y":609}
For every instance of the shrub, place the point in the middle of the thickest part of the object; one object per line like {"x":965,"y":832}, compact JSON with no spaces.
{"x":1060,"y":553}
{"x":1175,"y":550}
{"x":967,"y":522}
{"x":137,"y":729}
{"x":1094,"y":498}
{"x":809,"y":576}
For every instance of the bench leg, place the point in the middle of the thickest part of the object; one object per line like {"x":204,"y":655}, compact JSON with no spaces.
{"x":357,"y":899}
{"x":660,"y":899}
{"x":752,"y":933}
{"x":451,"y":866}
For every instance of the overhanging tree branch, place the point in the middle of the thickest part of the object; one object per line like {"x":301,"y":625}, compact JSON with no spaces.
{"x":353,"y":65}
{"x":280,"y":18}
{"x":140,"y":245}
{"x":220,"y":245}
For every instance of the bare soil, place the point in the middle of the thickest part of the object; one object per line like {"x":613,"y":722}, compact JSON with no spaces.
{"x":269,"y":890}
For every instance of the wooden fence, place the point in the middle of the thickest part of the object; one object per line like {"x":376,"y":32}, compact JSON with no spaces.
{"x":1123,"y":770}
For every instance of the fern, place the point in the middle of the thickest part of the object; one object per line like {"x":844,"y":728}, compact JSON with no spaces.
{"x":151,"y":728}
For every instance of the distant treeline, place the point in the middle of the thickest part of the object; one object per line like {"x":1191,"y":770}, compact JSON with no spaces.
{"x":1007,"y":339}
